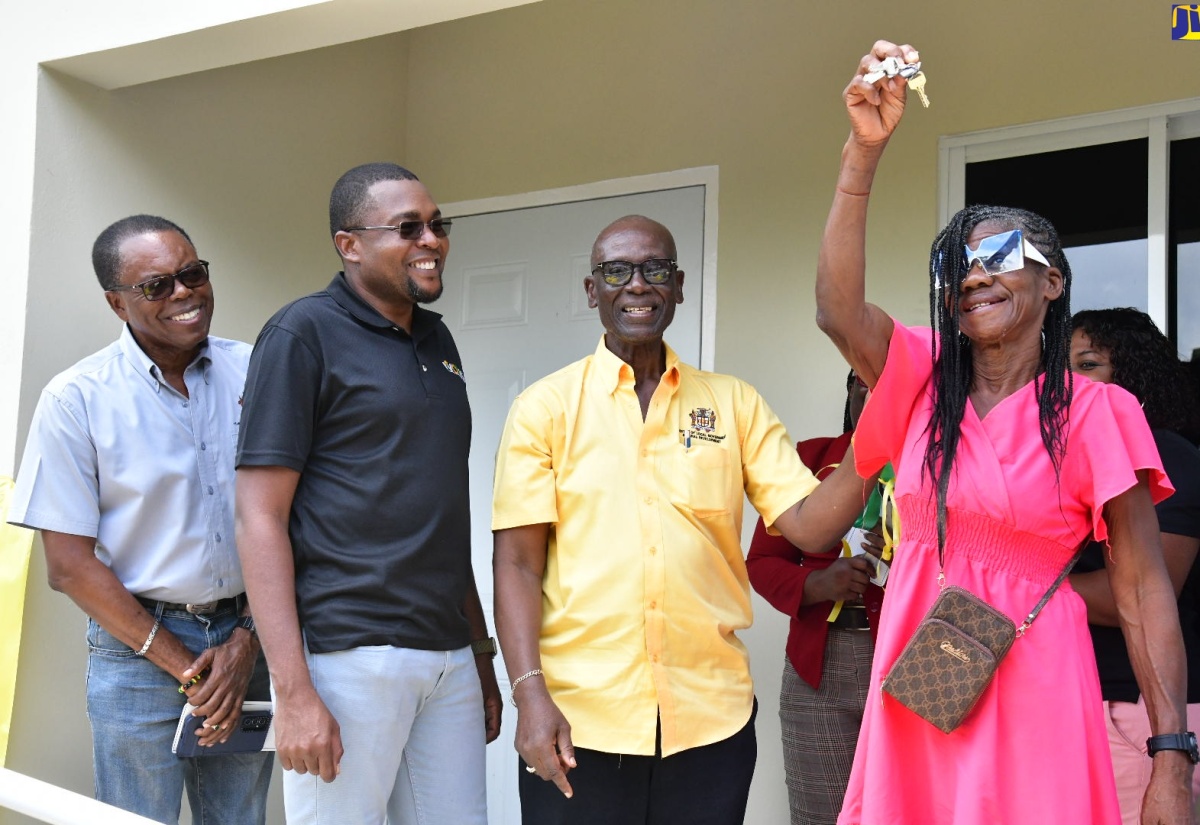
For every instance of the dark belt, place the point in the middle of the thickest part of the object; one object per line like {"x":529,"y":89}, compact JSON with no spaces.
{"x":198,"y":609}
{"x":851,"y":618}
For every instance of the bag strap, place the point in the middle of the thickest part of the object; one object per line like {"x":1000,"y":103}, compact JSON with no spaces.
{"x":1061,"y":577}
{"x":1033,"y":614}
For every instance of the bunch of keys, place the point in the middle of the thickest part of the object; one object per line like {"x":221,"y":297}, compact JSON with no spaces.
{"x":893,"y":67}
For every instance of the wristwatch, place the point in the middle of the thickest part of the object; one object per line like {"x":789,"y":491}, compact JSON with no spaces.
{"x":1185,"y":742}
{"x":247,"y":622}
{"x":481,"y":646}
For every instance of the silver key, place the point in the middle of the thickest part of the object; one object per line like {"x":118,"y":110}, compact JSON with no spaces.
{"x":917,"y":84}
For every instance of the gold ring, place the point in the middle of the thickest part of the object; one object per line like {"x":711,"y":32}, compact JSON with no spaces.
{"x":530,"y":769}
{"x":216,"y":727}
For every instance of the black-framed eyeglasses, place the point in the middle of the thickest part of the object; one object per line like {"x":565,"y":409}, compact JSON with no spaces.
{"x":412,"y":230}
{"x":618,"y":273}
{"x":193,"y":276}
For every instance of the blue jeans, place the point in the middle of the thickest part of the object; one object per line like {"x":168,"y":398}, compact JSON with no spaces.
{"x":413,"y":731}
{"x":134,"y":709}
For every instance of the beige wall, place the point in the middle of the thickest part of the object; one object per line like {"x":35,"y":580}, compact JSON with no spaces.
{"x":570,"y":91}
{"x":553,"y":94}
{"x":243,"y":159}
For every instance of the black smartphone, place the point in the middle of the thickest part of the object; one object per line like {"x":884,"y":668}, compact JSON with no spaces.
{"x":255,"y":732}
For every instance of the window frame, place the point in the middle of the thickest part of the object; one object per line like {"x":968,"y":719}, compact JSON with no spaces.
{"x":1160,"y":123}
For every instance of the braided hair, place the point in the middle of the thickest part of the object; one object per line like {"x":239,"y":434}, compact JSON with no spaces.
{"x":953,"y":366}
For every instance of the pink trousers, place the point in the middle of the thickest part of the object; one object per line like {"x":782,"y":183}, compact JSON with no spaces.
{"x":1128,"y":730}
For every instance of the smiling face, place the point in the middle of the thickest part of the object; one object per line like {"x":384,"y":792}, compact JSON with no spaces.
{"x":635,"y":315}
{"x":173,"y":329}
{"x":1090,"y":359}
{"x":385,"y":268}
{"x":1008,"y":306}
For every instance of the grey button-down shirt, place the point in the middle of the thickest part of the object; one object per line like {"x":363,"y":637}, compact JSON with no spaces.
{"x":117,"y":454}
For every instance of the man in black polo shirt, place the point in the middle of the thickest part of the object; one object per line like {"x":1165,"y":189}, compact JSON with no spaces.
{"x":353,"y":526}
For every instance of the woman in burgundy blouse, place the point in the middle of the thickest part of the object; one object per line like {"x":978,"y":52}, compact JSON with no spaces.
{"x":828,"y":663}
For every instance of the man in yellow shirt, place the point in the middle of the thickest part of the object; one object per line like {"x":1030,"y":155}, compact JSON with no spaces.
{"x":620,"y":577}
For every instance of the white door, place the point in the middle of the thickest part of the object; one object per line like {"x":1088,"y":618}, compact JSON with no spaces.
{"x":515,"y":302}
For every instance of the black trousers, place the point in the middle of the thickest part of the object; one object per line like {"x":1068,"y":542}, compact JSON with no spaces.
{"x":708,"y":785}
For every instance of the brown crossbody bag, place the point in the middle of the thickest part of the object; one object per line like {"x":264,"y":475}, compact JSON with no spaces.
{"x":953,"y":655}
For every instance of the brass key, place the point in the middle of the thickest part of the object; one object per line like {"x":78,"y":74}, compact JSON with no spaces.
{"x":917,"y":84}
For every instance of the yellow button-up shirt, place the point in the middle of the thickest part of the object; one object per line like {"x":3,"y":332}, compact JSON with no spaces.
{"x":645,"y":585}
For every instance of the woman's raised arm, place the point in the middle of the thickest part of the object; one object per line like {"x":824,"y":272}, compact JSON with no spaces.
{"x":860,"y":330}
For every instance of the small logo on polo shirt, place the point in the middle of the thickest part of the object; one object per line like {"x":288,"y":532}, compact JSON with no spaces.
{"x":456,"y":369}
{"x":704,"y":428}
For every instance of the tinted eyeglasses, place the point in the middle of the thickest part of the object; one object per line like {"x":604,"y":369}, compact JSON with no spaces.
{"x":193,"y":276}
{"x":618,"y":273}
{"x":412,"y":230}
{"x":1005,"y":252}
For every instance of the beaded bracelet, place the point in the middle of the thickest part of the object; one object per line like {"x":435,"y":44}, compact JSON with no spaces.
{"x":150,"y":638}
{"x":195,"y":680}
{"x":512,"y":695}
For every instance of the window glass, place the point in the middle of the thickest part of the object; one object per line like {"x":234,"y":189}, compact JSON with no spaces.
{"x":1096,"y":196}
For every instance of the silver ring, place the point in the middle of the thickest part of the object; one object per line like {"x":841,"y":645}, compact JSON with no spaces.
{"x":530,"y":769}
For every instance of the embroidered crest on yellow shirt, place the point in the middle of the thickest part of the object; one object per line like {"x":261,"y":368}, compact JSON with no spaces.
{"x":704,"y":428}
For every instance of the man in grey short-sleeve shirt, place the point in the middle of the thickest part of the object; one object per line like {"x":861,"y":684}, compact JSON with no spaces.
{"x":128,"y":474}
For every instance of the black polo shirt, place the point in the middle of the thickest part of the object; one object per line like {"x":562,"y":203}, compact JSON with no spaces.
{"x":1178,"y":514}
{"x":377,"y":424}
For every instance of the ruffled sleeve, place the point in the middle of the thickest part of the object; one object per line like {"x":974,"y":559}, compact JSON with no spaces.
{"x":903,"y":388}
{"x":1108,"y":443}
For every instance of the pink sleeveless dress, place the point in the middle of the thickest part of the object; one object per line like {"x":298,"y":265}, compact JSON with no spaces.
{"x":1034,"y":750}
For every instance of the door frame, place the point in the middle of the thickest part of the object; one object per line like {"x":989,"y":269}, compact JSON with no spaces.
{"x":706,"y":176}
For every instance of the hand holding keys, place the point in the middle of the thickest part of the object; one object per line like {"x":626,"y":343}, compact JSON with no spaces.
{"x":893,"y":67}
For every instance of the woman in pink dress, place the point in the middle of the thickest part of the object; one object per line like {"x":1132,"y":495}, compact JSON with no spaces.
{"x":1005,"y":466}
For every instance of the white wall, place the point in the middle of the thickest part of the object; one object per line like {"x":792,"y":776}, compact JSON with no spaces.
{"x":541,"y":96}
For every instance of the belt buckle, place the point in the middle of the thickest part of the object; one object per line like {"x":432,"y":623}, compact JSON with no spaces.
{"x":202,"y":609}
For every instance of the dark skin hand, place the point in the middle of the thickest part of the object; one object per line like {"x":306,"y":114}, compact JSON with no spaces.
{"x":73,"y":569}
{"x":493,"y":703}
{"x":846,"y":579}
{"x":307,"y":736}
{"x":219,"y":694}
{"x":543,"y":733}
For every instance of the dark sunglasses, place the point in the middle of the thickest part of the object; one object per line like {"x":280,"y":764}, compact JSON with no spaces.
{"x":192,"y":276}
{"x":412,"y":230}
{"x":618,"y":273}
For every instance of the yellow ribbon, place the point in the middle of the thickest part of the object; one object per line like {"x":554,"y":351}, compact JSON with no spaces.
{"x":889,"y":523}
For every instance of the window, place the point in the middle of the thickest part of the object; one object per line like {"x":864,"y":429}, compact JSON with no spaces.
{"x":1121,"y":188}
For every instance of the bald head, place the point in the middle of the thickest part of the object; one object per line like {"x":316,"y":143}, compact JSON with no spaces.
{"x":629,"y":227}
